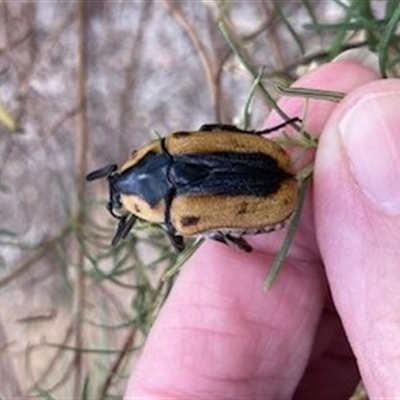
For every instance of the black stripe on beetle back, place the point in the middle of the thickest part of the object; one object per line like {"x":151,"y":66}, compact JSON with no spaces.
{"x":227,"y":173}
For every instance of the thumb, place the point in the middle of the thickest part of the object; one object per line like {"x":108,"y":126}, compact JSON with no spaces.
{"x":357,"y":211}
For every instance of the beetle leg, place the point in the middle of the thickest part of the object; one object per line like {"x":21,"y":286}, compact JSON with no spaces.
{"x":117,"y":237}
{"x":238,"y":242}
{"x":177,"y":241}
{"x":167,"y":218}
{"x":129,"y":223}
{"x":233,"y":241}
{"x":233,"y":128}
{"x":125,"y":224}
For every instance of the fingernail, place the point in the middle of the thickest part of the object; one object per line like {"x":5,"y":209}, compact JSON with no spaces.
{"x":360,"y":56}
{"x":370,"y":133}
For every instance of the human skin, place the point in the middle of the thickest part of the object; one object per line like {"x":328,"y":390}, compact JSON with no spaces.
{"x":334,"y":311}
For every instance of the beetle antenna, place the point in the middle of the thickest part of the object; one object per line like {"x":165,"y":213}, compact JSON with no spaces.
{"x":102,"y":172}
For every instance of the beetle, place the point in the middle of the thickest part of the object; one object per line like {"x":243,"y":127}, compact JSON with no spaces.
{"x":219,"y":182}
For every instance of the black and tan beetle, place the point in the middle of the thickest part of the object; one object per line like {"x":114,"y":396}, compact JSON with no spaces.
{"x":219,"y":182}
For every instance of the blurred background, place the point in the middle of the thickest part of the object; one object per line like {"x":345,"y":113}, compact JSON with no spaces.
{"x":82,"y":84}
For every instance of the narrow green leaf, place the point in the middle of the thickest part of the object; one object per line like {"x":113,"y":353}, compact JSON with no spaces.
{"x":387,"y":37}
{"x":292,"y":229}
{"x":289,"y":26}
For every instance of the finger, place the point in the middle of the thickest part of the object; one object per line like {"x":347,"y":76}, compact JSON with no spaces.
{"x":357,"y":209}
{"x":332,"y":371}
{"x":219,"y":334}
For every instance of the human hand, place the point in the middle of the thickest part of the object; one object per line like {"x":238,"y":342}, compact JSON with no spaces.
{"x":220,"y":336}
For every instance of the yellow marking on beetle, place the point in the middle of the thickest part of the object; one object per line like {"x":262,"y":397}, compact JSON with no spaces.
{"x":139,"y":207}
{"x":137,"y":155}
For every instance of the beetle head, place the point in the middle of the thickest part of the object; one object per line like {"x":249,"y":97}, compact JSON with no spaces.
{"x":114,"y":205}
